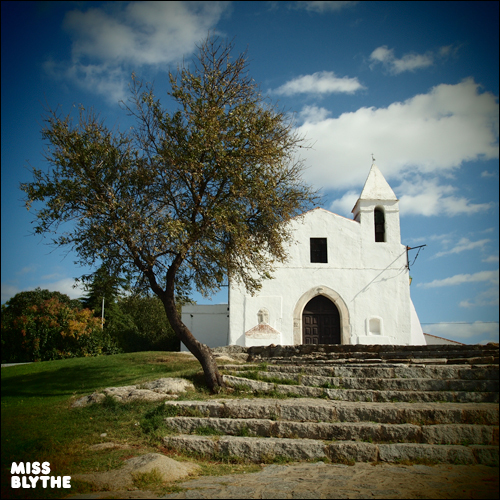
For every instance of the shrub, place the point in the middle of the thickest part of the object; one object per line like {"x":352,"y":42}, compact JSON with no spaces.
{"x":147,"y":327}
{"x":51,"y":328}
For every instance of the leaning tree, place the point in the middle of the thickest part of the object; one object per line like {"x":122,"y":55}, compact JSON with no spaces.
{"x":189,"y":197}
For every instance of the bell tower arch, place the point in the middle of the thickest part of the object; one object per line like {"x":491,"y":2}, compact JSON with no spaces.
{"x":377,"y":210}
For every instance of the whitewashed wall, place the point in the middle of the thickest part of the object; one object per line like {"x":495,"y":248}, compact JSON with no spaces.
{"x":208,"y":323}
{"x":364,"y":278}
{"x":368,"y":281}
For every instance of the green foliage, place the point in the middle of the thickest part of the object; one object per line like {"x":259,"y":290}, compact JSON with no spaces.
{"x":104,"y":284}
{"x":147,"y":328}
{"x":203,"y":190}
{"x":189,"y":196}
{"x":21,"y":301}
{"x":136,"y":322}
{"x":43,"y":325}
{"x":205,"y":430}
{"x":244,"y":431}
{"x":37,"y":420}
{"x":154,"y":420}
{"x":330,"y":385}
{"x":148,"y":480}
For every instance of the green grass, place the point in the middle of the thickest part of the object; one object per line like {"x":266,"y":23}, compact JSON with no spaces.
{"x":38,"y":423}
{"x":256,"y":375}
{"x":330,"y":385}
{"x":246,"y":432}
{"x":206,"y":430}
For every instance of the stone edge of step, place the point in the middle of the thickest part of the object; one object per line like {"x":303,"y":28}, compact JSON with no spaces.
{"x":257,"y":449}
{"x":369,"y":394}
{"x":358,"y":431}
{"x":433,"y":383}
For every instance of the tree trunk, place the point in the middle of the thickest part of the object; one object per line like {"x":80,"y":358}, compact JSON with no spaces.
{"x":201,"y":351}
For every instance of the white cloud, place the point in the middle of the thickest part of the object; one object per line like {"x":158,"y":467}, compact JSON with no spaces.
{"x":447,"y":50}
{"x":431,"y":133}
{"x":313,"y":114}
{"x":452,"y":205}
{"x":459,"y":279}
{"x":111,"y":40}
{"x":463,"y":245}
{"x":491,"y":258}
{"x":486,"y":298}
{"x":444,"y":238}
{"x":140,"y":32}
{"x":477,"y":332}
{"x":345,"y":204}
{"x":322,"y":82}
{"x":27,"y":270}
{"x":322,"y":6}
{"x":8,"y":291}
{"x":409,"y":62}
{"x":64,"y":285}
{"x":428,"y":197}
{"x":485,"y":173}
{"x":52,"y":276}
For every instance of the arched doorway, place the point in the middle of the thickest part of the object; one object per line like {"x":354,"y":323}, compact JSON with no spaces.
{"x":320,"y":322}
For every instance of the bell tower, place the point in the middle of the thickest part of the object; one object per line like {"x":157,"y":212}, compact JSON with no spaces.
{"x":377,"y":210}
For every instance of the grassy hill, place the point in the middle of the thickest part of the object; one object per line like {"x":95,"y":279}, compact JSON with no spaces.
{"x":38,"y":423}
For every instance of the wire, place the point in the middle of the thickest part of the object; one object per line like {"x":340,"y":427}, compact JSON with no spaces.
{"x":416,"y":256}
{"x":459,"y":322}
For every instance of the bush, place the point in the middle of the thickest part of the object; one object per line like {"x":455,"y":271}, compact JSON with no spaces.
{"x":37,"y":328}
{"x":137,"y":322}
{"x":146,"y":327}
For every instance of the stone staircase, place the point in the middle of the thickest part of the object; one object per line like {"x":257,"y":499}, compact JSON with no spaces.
{"x":349,"y":404}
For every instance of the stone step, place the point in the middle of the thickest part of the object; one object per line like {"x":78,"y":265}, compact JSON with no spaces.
{"x":443,"y":354}
{"x":371,"y":383}
{"x":267,"y":449}
{"x":339,"y":431}
{"x":323,"y":410}
{"x":351,"y":403}
{"x":322,"y":359}
{"x":363,"y":395}
{"x":375,"y":351}
{"x":386,"y":371}
{"x":492,"y":347}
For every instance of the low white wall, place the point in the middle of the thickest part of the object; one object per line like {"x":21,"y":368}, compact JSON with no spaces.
{"x":433,"y":340}
{"x":417,"y":334}
{"x":208,"y":323}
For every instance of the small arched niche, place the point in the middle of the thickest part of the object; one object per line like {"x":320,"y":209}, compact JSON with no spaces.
{"x":374,"y":326}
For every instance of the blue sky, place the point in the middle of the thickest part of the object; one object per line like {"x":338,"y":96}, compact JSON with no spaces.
{"x":414,"y":83}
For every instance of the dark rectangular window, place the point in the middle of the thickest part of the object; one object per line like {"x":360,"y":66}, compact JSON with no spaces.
{"x":318,"y":250}
{"x":379,"y":225}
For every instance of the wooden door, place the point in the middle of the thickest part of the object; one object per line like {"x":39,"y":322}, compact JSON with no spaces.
{"x":320,"y":322}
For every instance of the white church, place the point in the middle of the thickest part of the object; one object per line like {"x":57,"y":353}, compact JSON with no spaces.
{"x":346,"y":281}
